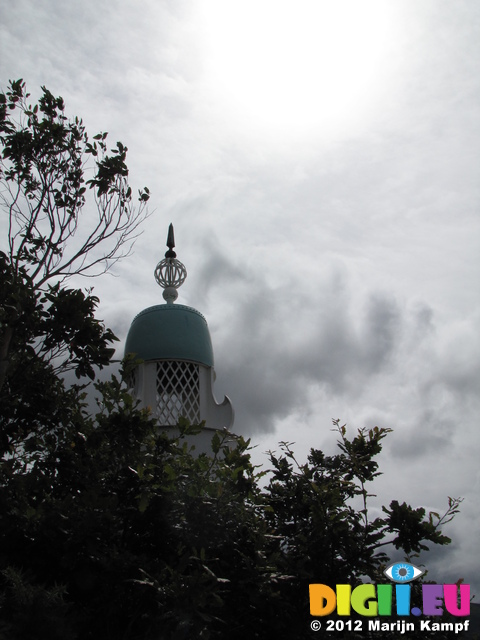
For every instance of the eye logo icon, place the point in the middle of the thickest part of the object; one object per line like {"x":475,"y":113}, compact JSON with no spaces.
{"x":403,"y":572}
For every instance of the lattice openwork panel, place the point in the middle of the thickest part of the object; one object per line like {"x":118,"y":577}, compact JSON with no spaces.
{"x":178,"y":392}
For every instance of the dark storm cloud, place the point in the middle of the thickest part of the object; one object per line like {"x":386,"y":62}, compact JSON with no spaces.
{"x":216,"y":270}
{"x":274,"y":345}
{"x":431,"y":434}
{"x":382,"y":331}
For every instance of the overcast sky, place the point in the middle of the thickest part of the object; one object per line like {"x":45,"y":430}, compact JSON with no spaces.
{"x":320,"y":163}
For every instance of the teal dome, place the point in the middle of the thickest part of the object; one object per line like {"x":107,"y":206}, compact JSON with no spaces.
{"x":170,"y":332}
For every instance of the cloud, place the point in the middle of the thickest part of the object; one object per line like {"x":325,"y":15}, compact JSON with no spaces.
{"x":288,"y":341}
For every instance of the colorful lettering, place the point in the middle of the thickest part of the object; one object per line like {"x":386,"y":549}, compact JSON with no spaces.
{"x":450,"y":592}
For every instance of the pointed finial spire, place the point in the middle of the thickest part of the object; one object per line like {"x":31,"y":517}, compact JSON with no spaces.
{"x":170,"y":243}
{"x":170,"y":273}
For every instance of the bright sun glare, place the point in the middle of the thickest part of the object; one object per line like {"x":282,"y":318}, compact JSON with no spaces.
{"x":294,"y":64}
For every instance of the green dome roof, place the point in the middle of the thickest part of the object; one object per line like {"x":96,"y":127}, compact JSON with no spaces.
{"x":170,"y":332}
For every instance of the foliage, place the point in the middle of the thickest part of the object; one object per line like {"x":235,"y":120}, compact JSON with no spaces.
{"x":48,"y":334}
{"x":48,"y":168}
{"x":123,"y":532}
{"x":321,"y":536}
{"x":45,"y":161}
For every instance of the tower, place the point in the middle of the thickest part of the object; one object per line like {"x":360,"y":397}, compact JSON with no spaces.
{"x":176,"y":372}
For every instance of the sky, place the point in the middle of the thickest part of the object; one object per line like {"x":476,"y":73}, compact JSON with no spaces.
{"x":319,"y":160}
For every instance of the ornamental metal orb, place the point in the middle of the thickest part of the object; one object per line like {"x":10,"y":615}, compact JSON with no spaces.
{"x":170,"y":274}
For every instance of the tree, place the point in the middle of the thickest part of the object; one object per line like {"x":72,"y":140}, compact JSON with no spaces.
{"x":48,"y":168}
{"x":45,"y":161}
{"x":324,"y":537}
{"x":119,"y":531}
